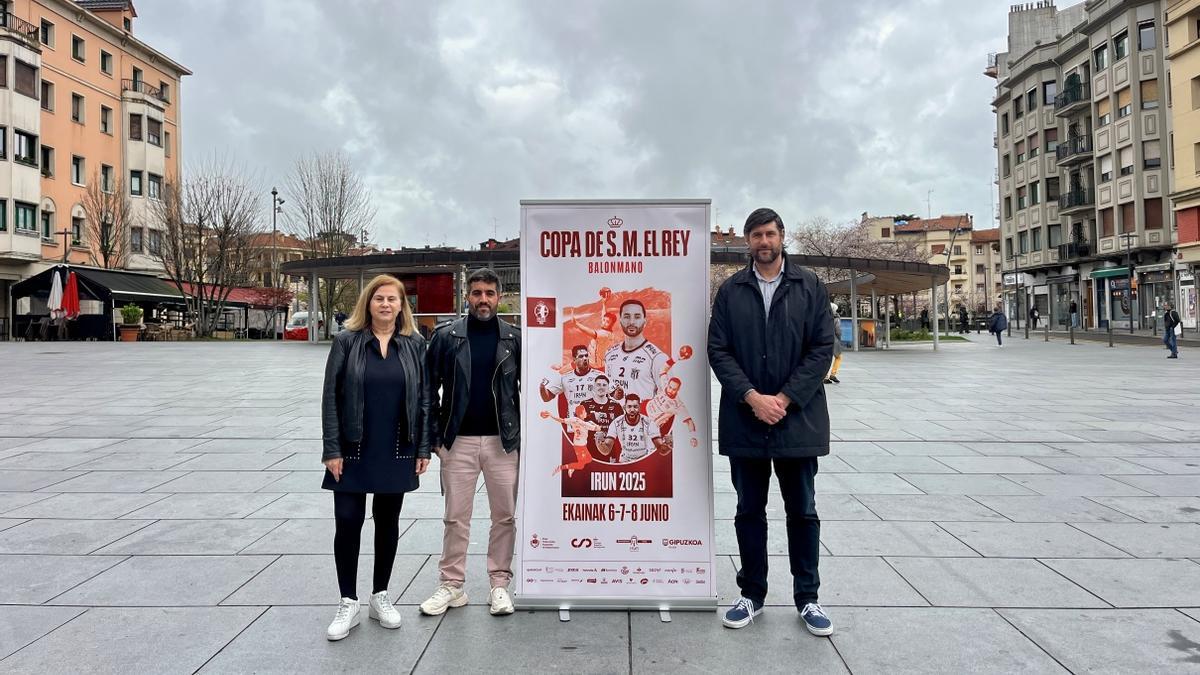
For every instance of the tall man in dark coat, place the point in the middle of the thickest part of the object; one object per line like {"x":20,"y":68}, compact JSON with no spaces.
{"x":770,"y":343}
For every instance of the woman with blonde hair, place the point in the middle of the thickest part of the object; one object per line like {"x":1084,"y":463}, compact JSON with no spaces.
{"x":373,"y":414}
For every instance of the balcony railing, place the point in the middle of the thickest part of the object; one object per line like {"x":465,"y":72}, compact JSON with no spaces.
{"x":21,"y":28}
{"x":1074,"y":250}
{"x":1073,"y":148}
{"x":992,"y":65}
{"x":141,"y":87}
{"x":1071,"y":96}
{"x":1075,"y":199}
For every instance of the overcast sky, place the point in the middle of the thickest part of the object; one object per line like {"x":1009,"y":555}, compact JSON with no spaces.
{"x":455,"y":111}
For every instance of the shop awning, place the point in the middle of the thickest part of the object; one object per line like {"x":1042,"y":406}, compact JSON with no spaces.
{"x":105,"y":286}
{"x":1109,"y":272}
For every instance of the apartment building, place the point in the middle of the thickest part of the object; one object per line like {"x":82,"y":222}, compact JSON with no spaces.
{"x":987,"y":272}
{"x":1081,"y":127}
{"x":1183,"y":63}
{"x":84,"y":104}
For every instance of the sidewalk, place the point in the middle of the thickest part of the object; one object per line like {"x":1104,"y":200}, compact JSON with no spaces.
{"x":1119,"y":336}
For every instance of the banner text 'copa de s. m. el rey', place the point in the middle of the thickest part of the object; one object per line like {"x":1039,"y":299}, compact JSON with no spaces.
{"x":615,"y":494}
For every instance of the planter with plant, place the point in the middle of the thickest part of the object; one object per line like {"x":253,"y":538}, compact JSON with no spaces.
{"x":131,"y":318}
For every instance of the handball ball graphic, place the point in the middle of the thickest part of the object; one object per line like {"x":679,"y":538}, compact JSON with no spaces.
{"x":606,"y":292}
{"x":685,"y":352}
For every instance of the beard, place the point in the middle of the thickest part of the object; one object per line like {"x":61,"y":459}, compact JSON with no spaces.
{"x":767,"y":255}
{"x":483,"y":312}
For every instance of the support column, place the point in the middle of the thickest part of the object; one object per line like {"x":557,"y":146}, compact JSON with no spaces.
{"x":853,"y":311}
{"x":933,"y":313}
{"x":314,"y":307}
{"x":887,"y":325}
{"x":875,"y":315}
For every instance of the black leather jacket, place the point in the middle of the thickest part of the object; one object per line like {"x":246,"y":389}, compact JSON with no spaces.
{"x":448,"y":368}
{"x":342,"y":397}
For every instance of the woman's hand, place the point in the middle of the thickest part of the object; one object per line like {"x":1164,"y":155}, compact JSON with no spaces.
{"x":422,"y":465}
{"x":335,"y":467}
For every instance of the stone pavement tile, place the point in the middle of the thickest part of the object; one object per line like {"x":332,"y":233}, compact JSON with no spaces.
{"x":726,"y":580}
{"x":1172,"y":449}
{"x":115,"y":481}
{"x":1144,"y":540}
{"x":991,"y":582}
{"x":864,"y":483}
{"x":307,"y":481}
{"x":192,"y":537}
{"x":299,"y":461}
{"x":35,"y":579}
{"x":843,"y":448}
{"x":294,"y":637}
{"x":202,"y":505}
{"x":1083,"y":449}
{"x":1015,"y":449}
{"x":425,"y":536}
{"x":928,"y":449}
{"x":312,"y":580}
{"x":477,"y":584}
{"x":1039,"y":509}
{"x":134,"y":461}
{"x":15,"y":500}
{"x":1165,"y":486}
{"x":10,"y":443}
{"x":48,"y":461}
{"x":301,"y":433}
{"x":20,"y":626}
{"x":28,"y":431}
{"x":697,"y":642}
{"x":928,"y":508}
{"x":726,"y":538}
{"x":1079,"y":485}
{"x":1116,"y":436}
{"x":934,"y":640}
{"x":875,"y":435}
{"x":151,"y":639}
{"x":228,"y":432}
{"x":1114,"y":640}
{"x":85,"y":506}
{"x":65,"y":537}
{"x":1030,"y":540}
{"x":966,"y":484}
{"x":885,"y":539}
{"x":172,"y":420}
{"x":221,"y":481}
{"x":1091,"y":465}
{"x":167,"y":581}
{"x":229,"y":461}
{"x":68,"y":444}
{"x":301,"y":505}
{"x":191,"y":433}
{"x":153,"y":445}
{"x":1193,"y":612}
{"x":17,"y":480}
{"x":312,"y":535}
{"x":1156,"y":509}
{"x":1135,"y":582}
{"x":893,"y":464}
{"x":475,"y":642}
{"x":830,"y":464}
{"x":993,"y":465}
{"x":829,"y":507}
{"x":1168,"y":465}
{"x":845,"y":580}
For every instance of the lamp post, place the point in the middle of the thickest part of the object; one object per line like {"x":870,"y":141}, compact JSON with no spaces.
{"x":276,"y":204}
{"x":1127,"y":237}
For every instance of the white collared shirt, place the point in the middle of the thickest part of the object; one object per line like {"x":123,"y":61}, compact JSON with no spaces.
{"x":767,"y":288}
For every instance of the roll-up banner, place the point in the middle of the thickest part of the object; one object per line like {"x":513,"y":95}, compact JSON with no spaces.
{"x":615,"y":501}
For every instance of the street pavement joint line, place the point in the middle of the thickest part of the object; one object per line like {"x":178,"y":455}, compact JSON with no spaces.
{"x":281,"y":523}
{"x":165,"y":495}
{"x":413,"y":580}
{"x":281,"y":496}
{"x":972,"y":498}
{"x":243,"y":584}
{"x":1118,"y":509}
{"x":867,"y":507}
{"x":939,"y":526}
{"x":47,"y":495}
{"x":1071,"y":581}
{"x":441,"y":617}
{"x":910,"y":584}
{"x":243,"y":630}
{"x":1105,"y":543}
{"x":88,"y":579}
{"x":1035,"y":642}
{"x":48,"y":634}
{"x":148,"y":523}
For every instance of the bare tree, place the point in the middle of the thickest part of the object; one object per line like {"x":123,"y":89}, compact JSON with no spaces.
{"x":821,"y":236}
{"x":331,"y":210}
{"x":208,"y":222}
{"x":108,"y":215}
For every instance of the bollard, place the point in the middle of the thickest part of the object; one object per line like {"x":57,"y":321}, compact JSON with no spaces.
{"x":1110,"y":334}
{"x":1047,"y":332}
{"x":1072,"y":332}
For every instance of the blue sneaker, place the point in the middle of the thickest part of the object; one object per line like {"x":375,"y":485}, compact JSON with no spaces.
{"x":742,"y":613}
{"x":815,"y":620}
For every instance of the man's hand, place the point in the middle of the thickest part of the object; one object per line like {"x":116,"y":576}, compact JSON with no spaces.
{"x":769,"y":409}
{"x":335,"y":467}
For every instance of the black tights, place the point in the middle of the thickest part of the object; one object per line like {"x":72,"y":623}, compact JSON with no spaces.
{"x":349,"y":512}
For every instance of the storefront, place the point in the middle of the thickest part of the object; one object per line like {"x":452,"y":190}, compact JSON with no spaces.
{"x":1063,"y":291}
{"x":1155,"y":287}
{"x":1187,"y":298}
{"x":1114,"y":298}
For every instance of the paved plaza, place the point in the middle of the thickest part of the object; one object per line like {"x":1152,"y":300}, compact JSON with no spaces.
{"x":1031,"y":509}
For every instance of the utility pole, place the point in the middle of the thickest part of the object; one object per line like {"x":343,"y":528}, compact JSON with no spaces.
{"x":66,"y":244}
{"x":1129,"y":269}
{"x":276,"y":205}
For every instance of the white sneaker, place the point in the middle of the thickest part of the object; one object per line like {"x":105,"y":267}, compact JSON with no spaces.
{"x":382,"y":610}
{"x":345,"y":619}
{"x":500,"y":601}
{"x":444,"y":597}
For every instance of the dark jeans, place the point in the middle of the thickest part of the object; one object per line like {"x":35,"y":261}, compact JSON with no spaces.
{"x":349,"y":512}
{"x":752,"y":480}
{"x":998,"y":340}
{"x":1171,"y":341}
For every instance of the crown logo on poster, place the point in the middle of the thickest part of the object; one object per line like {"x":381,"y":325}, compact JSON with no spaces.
{"x":615,"y":222}
{"x":543,"y":312}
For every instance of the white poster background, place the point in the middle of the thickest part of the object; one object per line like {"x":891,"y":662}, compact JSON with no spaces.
{"x":625,"y":552}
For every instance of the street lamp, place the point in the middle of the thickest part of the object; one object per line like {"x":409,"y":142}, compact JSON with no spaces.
{"x":276,"y":205}
{"x":1127,"y":237}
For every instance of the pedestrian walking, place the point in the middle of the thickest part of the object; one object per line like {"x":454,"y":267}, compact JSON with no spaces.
{"x":1172,"y":329}
{"x":1033,"y":317}
{"x":831,"y":377}
{"x":997,"y":324}
{"x":1074,"y":312}
{"x":770,"y":343}
{"x":924,"y":319}
{"x":374,"y":441}
{"x":473,"y":384}
{"x":964,"y":324}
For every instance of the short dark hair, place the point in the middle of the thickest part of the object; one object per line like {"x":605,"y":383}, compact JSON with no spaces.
{"x":761,"y":217}
{"x":632,"y":397}
{"x":601,"y":376}
{"x":633,"y":301}
{"x":484,"y":275}
{"x":576,"y":349}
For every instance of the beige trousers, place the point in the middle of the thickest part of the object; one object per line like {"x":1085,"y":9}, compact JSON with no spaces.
{"x":460,"y":469}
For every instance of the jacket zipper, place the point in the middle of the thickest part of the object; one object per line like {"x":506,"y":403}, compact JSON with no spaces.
{"x":495,"y":400}
{"x":450,"y":408}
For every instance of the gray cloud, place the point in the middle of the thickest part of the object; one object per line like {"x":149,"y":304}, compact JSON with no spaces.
{"x":455,"y":111}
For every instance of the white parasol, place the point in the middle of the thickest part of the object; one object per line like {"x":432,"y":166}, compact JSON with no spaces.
{"x":54,"y":303}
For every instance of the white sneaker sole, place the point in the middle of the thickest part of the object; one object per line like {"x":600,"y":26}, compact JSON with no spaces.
{"x":740,"y":624}
{"x":371,"y":613}
{"x":819,"y":632}
{"x":334,"y":637}
{"x":462,"y":600}
{"x":504,"y":611}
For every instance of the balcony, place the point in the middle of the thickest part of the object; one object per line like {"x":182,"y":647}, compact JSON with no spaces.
{"x":141,"y":87}
{"x":1074,"y":251}
{"x":992,"y":69}
{"x":1075,"y":149}
{"x":23,"y":30}
{"x":1076,"y":200}
{"x":1072,"y":99}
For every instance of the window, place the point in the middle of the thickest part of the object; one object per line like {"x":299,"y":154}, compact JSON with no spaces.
{"x":135,"y":240}
{"x":1023,"y":238}
{"x":1147,"y":38}
{"x":47,"y":225}
{"x":1154,"y":213}
{"x":25,"y":216}
{"x":78,"y":48}
{"x":979,"y":251}
{"x":1019,"y":148}
{"x":1054,"y":233}
{"x":1051,"y":138}
{"x":155,"y":186}
{"x":1195,"y":92}
{"x":1036,"y":238}
{"x":1035,"y":193}
{"x":165,"y":90}
{"x":937,"y":249}
{"x":135,"y":127}
{"x":1021,"y":201}
{"x":1052,"y":189}
{"x":106,"y":119}
{"x":1006,"y":164}
{"x":1121,"y":46}
{"x":1004,"y":124}
{"x":76,"y":231}
{"x":135,"y":183}
{"x":167,"y":143}
{"x":128,"y":23}
{"x":25,"y":148}
{"x":106,"y":178}
{"x":980,"y":269}
{"x":106,"y":63}
{"x":3,"y":215}
{"x":1151,"y":155}
{"x":1008,"y":208}
{"x":77,"y":108}
{"x":47,"y":95}
{"x":1100,"y":57}
{"x":958,"y":269}
{"x":1149,"y":94}
{"x":1106,"y":222}
{"x":1031,"y":100}
{"x":153,"y":131}
{"x":1128,"y":224}
{"x":137,"y":77}
{"x":885,"y":233}
{"x":1124,"y":103}
{"x":77,"y":170}
{"x":957,"y":250}
{"x":1103,"y":111}
{"x":979,"y":287}
{"x":1049,"y":92}
{"x":3,"y":142}
{"x":1033,"y":146}
{"x":1125,"y":155}
{"x":26,"y":79}
{"x":1106,"y":168}
{"x":3,"y":70}
{"x":47,"y":161}
{"x":155,"y":242}
{"x":105,"y":232}
{"x":1008,"y":252}
{"x":47,"y":33}
{"x":1018,"y":107}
